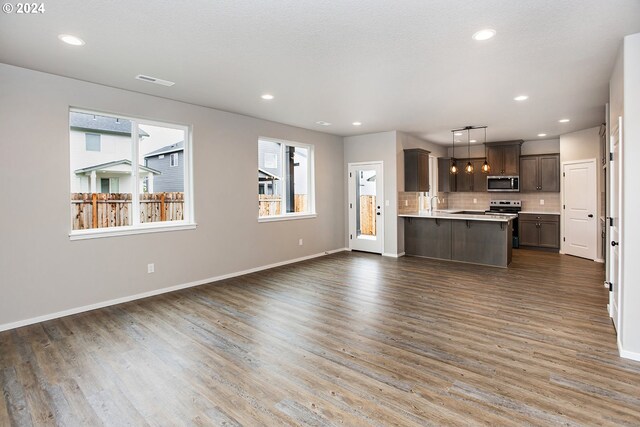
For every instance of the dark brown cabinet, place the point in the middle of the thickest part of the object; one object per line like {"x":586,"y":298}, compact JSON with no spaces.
{"x":504,"y":157}
{"x":416,"y":170}
{"x":479,"y":178}
{"x":467,"y":182}
{"x":464,"y":181}
{"x":540,"y":173}
{"x":428,"y":238}
{"x":539,"y":230}
{"x":470,"y":240}
{"x":446,"y":180}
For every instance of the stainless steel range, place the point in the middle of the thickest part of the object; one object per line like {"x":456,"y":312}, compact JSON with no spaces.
{"x":497,"y":207}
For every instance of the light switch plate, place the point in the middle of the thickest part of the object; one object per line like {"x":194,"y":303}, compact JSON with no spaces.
{"x":542,"y":201}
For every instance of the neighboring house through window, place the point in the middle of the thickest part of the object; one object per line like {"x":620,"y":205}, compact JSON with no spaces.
{"x":285,"y":179}
{"x":121,"y":180}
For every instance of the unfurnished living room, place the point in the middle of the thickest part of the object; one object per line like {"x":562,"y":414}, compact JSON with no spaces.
{"x":257,"y":213}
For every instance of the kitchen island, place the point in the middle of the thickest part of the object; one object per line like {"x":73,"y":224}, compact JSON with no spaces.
{"x":472,"y":238}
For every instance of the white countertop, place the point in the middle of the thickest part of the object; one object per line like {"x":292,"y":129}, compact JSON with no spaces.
{"x":450,"y":214}
{"x":539,"y":212}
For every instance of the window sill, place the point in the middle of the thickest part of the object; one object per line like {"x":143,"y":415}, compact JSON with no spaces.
{"x":286,"y":217}
{"x":125,"y":231}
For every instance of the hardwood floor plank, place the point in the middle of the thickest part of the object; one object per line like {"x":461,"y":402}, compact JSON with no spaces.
{"x":347,"y":339}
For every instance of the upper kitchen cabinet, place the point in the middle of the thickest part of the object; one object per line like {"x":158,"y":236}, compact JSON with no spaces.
{"x":416,"y":170}
{"x":504,"y":157}
{"x":540,"y":173}
{"x":475,"y":181}
{"x":446,"y":180}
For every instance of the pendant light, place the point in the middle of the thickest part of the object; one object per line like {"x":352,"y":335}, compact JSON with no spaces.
{"x":454,"y":168}
{"x":485,"y":166}
{"x":469,"y":167}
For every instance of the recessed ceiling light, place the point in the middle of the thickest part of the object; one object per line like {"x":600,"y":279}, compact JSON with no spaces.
{"x":521,"y":98}
{"x":323,"y":123}
{"x":72,"y":40}
{"x":357,"y":123}
{"x":472,"y":140}
{"x":564,"y":120}
{"x":267,"y":96}
{"x":542,"y":134}
{"x":485,"y":34}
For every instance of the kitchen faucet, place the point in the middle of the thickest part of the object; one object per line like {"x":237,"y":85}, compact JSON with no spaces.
{"x":431,"y":203}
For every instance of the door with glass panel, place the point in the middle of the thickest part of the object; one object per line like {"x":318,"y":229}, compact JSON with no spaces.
{"x":366,"y":216}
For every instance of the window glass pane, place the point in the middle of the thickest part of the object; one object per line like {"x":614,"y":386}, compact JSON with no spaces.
{"x":270,"y":178}
{"x":92,"y":142}
{"x":298,"y":180}
{"x":95,"y":203}
{"x":162,"y":173}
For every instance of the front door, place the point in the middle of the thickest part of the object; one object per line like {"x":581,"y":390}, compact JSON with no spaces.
{"x":613,"y":269}
{"x":365,"y":207}
{"x":580,"y":209}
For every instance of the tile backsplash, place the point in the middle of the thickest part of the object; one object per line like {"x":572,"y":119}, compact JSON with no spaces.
{"x":409,"y":202}
{"x":530,"y":201}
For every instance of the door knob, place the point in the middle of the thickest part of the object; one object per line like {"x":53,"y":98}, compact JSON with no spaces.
{"x":590,"y":215}
{"x":614,"y":243}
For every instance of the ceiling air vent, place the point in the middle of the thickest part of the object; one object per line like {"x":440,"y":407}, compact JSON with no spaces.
{"x":154,"y":80}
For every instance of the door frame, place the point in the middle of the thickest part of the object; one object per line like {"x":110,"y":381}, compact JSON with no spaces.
{"x":381,"y":227}
{"x":615,"y":304}
{"x":563,"y":210}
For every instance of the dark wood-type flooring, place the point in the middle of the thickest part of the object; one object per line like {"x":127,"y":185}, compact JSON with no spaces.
{"x":347,"y":339}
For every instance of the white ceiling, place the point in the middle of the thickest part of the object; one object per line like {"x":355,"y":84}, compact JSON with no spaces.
{"x":409,"y":65}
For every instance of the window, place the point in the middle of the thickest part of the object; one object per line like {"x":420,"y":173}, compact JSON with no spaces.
{"x":285,"y":180}
{"x":109,"y":185}
{"x":92,"y":142}
{"x":173,"y":160}
{"x":127,"y":188}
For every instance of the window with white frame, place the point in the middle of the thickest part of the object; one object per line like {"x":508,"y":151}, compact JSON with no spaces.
{"x":173,"y":160}
{"x":127,"y":188}
{"x":285,"y":179}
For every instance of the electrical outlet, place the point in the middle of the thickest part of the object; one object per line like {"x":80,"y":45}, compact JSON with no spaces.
{"x":542,"y":201}
{"x":475,"y":200}
{"x":299,"y":242}
{"x":151,"y":268}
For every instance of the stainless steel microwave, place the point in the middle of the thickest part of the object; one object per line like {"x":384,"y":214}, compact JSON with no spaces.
{"x":503,"y":183}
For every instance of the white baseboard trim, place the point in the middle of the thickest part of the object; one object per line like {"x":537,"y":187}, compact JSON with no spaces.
{"x":600,"y":260}
{"x":76,"y":310}
{"x":627,"y":354}
{"x":393,"y":255}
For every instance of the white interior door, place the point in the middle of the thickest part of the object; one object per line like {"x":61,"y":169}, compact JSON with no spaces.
{"x":366,"y":219}
{"x":613,"y":270}
{"x":580,"y":209}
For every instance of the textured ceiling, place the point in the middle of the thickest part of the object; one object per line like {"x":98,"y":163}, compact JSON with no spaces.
{"x":409,"y":65}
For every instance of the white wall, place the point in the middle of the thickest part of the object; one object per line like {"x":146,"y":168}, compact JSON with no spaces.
{"x":371,"y":148}
{"x":630,"y":239}
{"x":42,"y":271}
{"x":585,"y":145}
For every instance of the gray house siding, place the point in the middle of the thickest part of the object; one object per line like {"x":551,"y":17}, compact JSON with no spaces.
{"x":171,"y":179}
{"x":266,"y":148}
